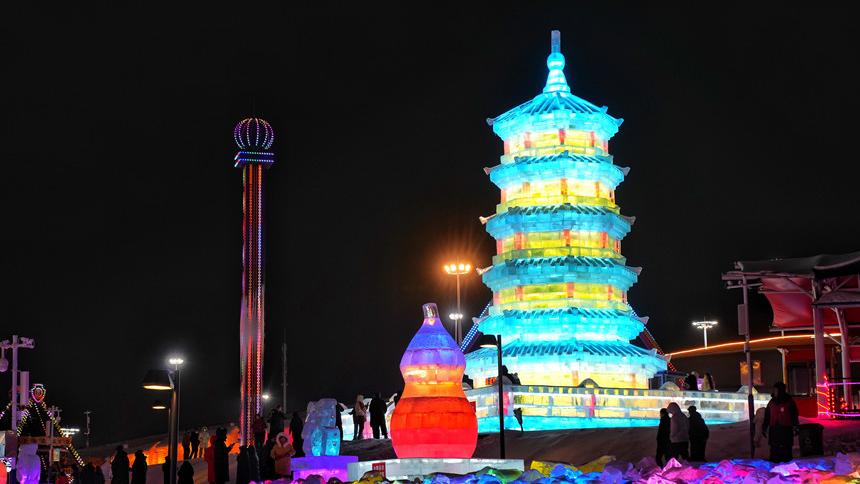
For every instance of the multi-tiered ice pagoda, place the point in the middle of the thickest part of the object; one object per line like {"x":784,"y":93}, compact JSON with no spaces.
{"x":558,"y":278}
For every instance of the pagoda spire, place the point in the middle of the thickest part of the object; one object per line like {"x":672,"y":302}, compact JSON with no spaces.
{"x":555,"y":81}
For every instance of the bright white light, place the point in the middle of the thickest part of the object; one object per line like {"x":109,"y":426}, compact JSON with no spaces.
{"x":266,"y":396}
{"x":704,"y":324}
{"x":176,"y":361}
{"x":455,"y":316}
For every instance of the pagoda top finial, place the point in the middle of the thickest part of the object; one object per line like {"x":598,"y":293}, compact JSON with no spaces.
{"x":555,"y":81}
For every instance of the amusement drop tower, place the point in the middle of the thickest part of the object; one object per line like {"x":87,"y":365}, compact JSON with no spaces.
{"x":558,"y":278}
{"x":254,"y":138}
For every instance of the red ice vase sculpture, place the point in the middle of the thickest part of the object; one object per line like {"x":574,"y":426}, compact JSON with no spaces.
{"x":433,"y":417}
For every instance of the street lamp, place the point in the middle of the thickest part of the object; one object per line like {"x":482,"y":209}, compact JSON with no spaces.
{"x":705,"y":326}
{"x":458,"y":269}
{"x":158,"y":405}
{"x":490,"y":341}
{"x":168,"y":380}
{"x":266,"y":396}
{"x":457,"y":318}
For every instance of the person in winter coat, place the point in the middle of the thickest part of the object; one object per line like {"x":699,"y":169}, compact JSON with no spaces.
{"x":698,"y":435}
{"x":119,"y":466}
{"x":378,"y":409}
{"x":105,"y":469}
{"x":138,"y":470}
{"x":338,"y":420}
{"x":679,"y":432}
{"x":185,"y":473}
{"x":359,"y":415}
{"x":209,"y":455}
{"x":692,"y":382}
{"x":186,"y":444}
{"x":242,"y":466}
{"x":276,"y":420}
{"x":296,"y":427}
{"x":267,"y":466}
{"x":708,"y":383}
{"x":258,"y":427}
{"x":253,"y":463}
{"x":165,"y":470}
{"x":88,"y":474}
{"x":195,"y":444}
{"x":221,"y":456}
{"x":780,"y":420}
{"x":205,"y":439}
{"x":281,"y":453}
{"x":663,"y":438}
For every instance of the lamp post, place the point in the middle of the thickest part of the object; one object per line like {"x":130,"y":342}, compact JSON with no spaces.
{"x":458,"y":269}
{"x":88,"y":428}
{"x":457,"y":318}
{"x":17,"y":342}
{"x":490,"y":341}
{"x":168,"y":380}
{"x":704,"y":326}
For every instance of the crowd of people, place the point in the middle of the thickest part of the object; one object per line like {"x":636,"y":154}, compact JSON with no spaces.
{"x":685,"y":437}
{"x":681,"y":436}
{"x":691,"y":382}
{"x":268,"y":456}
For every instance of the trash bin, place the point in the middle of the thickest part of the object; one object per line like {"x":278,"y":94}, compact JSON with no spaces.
{"x":810,"y":438}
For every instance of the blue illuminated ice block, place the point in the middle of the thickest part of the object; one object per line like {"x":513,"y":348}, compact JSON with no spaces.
{"x":558,"y":278}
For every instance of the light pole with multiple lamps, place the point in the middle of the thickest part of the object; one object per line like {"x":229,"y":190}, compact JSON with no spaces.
{"x":457,"y":318}
{"x":704,"y":326}
{"x":168,"y":380}
{"x":490,"y":341}
{"x":458,"y":269}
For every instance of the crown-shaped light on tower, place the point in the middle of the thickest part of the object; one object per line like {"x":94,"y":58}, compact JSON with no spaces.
{"x":254,"y":137}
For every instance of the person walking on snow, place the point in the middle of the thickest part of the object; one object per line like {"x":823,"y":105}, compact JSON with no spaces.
{"x":282,"y":453}
{"x":209,"y":455}
{"x":692,"y":382}
{"x":708,"y":383}
{"x":204,"y":442}
{"x":359,"y":415}
{"x":663,"y":438}
{"x":698,"y":435}
{"x":276,"y":420}
{"x":221,"y":455}
{"x":185,"y":473}
{"x":138,"y":470}
{"x":679,"y":433}
{"x":195,"y":444}
{"x":119,"y":466}
{"x":780,"y":420}
{"x":296,"y":428}
{"x":259,"y":429}
{"x":378,"y":409}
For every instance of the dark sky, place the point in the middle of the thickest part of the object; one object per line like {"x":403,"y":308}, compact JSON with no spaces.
{"x":122,"y":210}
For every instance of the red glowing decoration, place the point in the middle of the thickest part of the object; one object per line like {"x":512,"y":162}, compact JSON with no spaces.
{"x":38,"y":392}
{"x":433,"y":418}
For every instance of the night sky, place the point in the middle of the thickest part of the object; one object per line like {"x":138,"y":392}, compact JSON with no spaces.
{"x":122,"y":209}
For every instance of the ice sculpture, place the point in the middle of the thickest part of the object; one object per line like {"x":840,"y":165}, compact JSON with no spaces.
{"x":320,"y":434}
{"x":433,"y":417}
{"x":558,"y":278}
{"x":29,"y":466}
